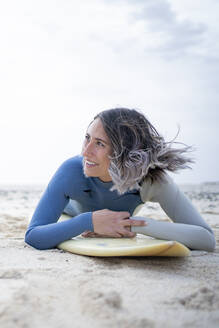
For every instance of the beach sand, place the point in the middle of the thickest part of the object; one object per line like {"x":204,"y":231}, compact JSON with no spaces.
{"x":53,"y":288}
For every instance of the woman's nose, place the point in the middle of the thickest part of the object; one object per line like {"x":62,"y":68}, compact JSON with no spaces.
{"x":87,"y":149}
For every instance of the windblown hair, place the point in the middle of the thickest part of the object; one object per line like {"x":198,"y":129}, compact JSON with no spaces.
{"x":138,"y":151}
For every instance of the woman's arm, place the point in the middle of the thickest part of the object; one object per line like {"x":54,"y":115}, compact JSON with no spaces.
{"x":44,"y":231}
{"x":189,"y":229}
{"x":192,"y":236}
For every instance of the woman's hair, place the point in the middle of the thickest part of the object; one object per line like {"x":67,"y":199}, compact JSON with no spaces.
{"x":138,"y":151}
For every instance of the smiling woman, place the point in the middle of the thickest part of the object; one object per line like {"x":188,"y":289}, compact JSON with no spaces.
{"x":96,"y":151}
{"x":124,"y":164}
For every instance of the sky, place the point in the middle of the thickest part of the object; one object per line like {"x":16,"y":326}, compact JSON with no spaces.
{"x":63,"y":61}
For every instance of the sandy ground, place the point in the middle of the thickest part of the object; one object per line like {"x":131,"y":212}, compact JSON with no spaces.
{"x":57,"y":289}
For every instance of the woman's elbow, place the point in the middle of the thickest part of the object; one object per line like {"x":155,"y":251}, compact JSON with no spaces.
{"x":212,"y":244}
{"x":31,"y":240}
{"x":207,"y":240}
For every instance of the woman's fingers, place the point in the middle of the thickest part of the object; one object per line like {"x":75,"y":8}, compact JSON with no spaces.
{"x":129,"y":234}
{"x":121,"y":234}
{"x":132,"y":222}
{"x":115,"y":224}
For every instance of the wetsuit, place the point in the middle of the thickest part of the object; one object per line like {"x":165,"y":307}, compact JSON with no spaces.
{"x":70,"y":191}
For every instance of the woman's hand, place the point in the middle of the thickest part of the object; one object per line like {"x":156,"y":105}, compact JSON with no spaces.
{"x":91,"y":234}
{"x":113,"y":224}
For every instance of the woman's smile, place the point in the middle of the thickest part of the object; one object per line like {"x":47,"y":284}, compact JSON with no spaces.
{"x":96,"y":152}
{"x":90,"y":164}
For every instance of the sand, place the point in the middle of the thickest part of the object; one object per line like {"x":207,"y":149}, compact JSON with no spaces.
{"x":53,"y":288}
{"x":56,"y":289}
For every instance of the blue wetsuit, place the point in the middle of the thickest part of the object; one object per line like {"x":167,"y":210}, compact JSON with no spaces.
{"x":70,"y":191}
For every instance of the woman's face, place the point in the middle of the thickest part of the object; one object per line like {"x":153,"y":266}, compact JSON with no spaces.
{"x":96,"y":151}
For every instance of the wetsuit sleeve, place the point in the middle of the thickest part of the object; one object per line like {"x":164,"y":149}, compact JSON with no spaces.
{"x":188,"y":228}
{"x":44,"y":231}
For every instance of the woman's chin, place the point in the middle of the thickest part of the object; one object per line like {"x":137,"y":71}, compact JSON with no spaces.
{"x":89,"y":173}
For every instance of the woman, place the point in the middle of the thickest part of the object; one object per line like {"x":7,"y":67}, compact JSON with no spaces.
{"x":123,"y":164}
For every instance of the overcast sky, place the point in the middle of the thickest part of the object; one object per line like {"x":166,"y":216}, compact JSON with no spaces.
{"x":63,"y":61}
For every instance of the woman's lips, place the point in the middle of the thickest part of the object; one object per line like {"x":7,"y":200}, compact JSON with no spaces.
{"x":90,"y":164}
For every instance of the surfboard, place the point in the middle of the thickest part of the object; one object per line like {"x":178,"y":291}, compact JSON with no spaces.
{"x":138,"y":246}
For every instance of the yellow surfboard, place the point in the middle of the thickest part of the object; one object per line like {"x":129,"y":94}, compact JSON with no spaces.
{"x":139,"y":246}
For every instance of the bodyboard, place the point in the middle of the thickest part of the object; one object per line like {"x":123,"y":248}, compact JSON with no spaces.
{"x":138,"y":246}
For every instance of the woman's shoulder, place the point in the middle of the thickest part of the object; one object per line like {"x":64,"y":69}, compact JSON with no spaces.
{"x":75,"y":163}
{"x":70,"y":168}
{"x":150,"y":190}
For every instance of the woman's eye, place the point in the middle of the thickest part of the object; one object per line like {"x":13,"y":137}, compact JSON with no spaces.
{"x":100,"y":144}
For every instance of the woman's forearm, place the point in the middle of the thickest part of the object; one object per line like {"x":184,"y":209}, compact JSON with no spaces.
{"x":50,"y":235}
{"x":193,"y":236}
